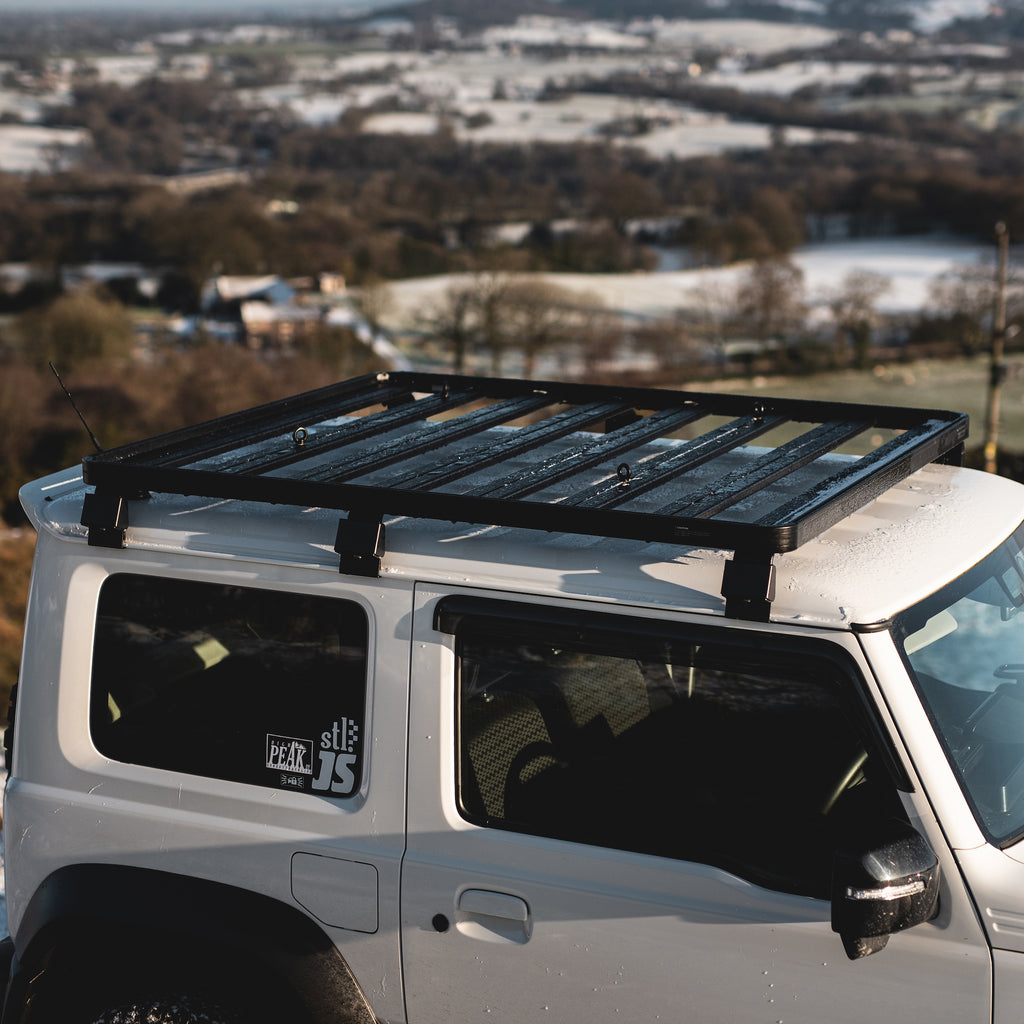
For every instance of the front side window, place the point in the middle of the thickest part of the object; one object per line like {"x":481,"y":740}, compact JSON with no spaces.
{"x":701,"y":748}
{"x":247,"y":685}
{"x":965,"y":648}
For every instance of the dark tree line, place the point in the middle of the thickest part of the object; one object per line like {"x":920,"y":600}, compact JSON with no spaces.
{"x":802,"y":109}
{"x":392,"y":206}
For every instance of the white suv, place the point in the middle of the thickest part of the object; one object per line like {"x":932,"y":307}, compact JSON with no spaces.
{"x":609,"y":714}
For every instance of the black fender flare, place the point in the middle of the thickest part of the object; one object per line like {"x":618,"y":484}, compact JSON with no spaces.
{"x":85,"y":914}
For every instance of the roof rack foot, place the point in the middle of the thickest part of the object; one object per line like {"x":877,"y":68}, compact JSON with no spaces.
{"x":106,"y":516}
{"x":748,"y":586}
{"x":360,"y":545}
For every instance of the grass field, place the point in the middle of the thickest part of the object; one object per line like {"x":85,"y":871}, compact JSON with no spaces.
{"x":959,"y":385}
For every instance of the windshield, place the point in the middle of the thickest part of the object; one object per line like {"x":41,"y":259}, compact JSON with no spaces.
{"x":965,"y":646}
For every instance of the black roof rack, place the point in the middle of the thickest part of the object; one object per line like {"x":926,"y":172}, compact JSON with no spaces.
{"x":417,"y":444}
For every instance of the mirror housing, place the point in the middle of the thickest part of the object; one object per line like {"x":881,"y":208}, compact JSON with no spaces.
{"x":883,"y":885}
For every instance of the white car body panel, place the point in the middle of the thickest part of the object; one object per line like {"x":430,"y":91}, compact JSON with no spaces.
{"x":533,"y":927}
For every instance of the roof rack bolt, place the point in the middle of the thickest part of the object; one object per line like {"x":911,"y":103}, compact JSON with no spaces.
{"x":624,"y":473}
{"x":299,"y":436}
{"x":759,"y":410}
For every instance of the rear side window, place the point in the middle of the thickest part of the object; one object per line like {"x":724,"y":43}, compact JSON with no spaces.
{"x":254,"y":686}
{"x":722,"y":753}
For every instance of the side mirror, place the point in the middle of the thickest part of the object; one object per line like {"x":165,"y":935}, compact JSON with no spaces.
{"x":882,"y":885}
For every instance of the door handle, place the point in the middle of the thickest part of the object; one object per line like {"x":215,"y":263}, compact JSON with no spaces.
{"x":493,"y":916}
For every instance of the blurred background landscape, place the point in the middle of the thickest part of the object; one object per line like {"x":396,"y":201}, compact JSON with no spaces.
{"x":203,"y":207}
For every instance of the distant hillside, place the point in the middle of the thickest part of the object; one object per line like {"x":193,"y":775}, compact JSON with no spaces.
{"x":968,"y":18}
{"x":766,"y":10}
{"x":473,"y":16}
{"x":877,"y":15}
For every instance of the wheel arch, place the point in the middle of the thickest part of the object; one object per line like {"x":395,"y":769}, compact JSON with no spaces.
{"x":84,"y":916}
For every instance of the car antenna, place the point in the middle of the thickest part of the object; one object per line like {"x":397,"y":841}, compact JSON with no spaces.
{"x":63,"y":388}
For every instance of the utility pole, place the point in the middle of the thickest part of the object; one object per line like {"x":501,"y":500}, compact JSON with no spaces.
{"x":997,"y":367}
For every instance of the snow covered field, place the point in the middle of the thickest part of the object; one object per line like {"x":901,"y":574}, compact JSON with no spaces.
{"x":488,"y":87}
{"x":681,"y":132}
{"x":909,"y":264}
{"x":31,"y":147}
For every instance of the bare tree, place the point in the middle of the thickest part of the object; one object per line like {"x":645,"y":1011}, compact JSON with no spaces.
{"x":965,"y":297}
{"x":770,"y":299}
{"x":597,"y":337}
{"x":712,"y":309}
{"x":623,"y":196}
{"x":540,"y":315}
{"x":490,"y":289}
{"x":454,"y":318}
{"x":854,"y":311}
{"x":503,"y":311}
{"x":778,"y":215}
{"x":670,"y":342}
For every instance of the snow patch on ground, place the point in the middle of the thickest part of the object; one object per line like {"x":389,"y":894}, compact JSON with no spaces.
{"x":28,"y":147}
{"x":910,"y":265}
{"x":937,"y":13}
{"x":743,"y":35}
{"x":786,"y":79}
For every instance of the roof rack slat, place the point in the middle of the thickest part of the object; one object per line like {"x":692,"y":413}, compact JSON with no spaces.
{"x":590,"y":453}
{"x":779,"y":462}
{"x":250,"y":430}
{"x":528,"y":438}
{"x":330,"y":438}
{"x":258,"y":423}
{"x":433,"y":435}
{"x":663,"y":467}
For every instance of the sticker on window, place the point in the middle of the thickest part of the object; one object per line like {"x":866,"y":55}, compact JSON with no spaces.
{"x":338,"y":753}
{"x":288,"y":754}
{"x":334,"y":763}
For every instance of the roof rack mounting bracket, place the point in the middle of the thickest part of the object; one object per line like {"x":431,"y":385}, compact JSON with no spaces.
{"x":748,"y":586}
{"x":106,"y":516}
{"x":956,"y":456}
{"x":623,"y":419}
{"x":360,"y":544}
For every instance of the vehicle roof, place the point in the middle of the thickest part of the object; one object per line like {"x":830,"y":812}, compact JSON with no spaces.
{"x":897,"y":549}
